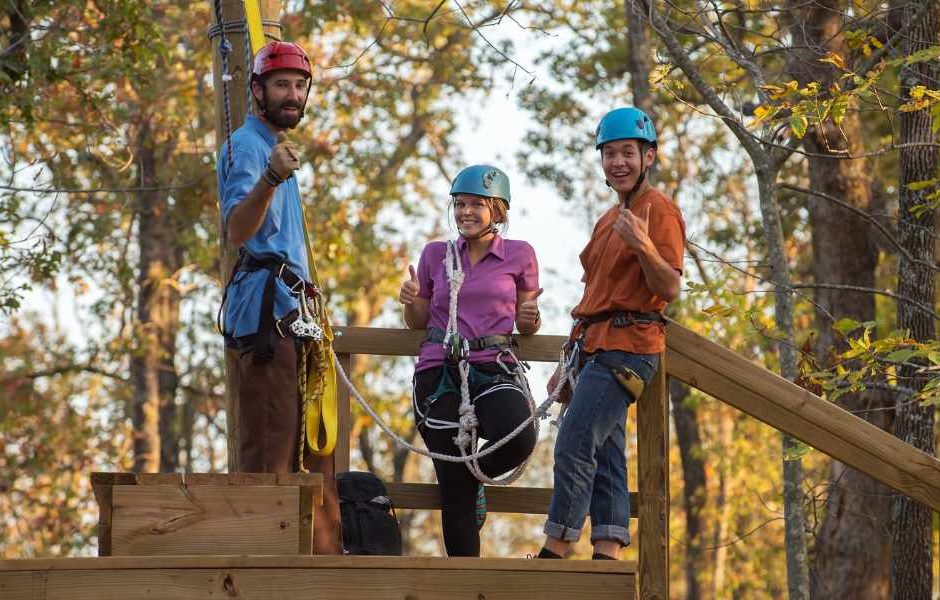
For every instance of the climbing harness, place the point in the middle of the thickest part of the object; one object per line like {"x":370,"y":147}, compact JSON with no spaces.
{"x":574,"y":357}
{"x":457,"y":346}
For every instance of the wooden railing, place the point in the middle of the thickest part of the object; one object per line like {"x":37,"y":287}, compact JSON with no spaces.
{"x":704,"y":365}
{"x":652,"y":457}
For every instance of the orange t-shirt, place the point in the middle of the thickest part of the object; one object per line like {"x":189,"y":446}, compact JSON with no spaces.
{"x":614,"y":280}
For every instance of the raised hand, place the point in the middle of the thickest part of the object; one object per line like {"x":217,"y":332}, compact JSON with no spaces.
{"x":528,"y":313}
{"x":633,"y":227}
{"x":284,"y":157}
{"x":410,"y":288}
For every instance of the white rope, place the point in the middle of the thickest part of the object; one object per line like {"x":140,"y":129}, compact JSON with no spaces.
{"x":467,"y":421}
{"x":540,"y":412}
{"x":466,"y":438}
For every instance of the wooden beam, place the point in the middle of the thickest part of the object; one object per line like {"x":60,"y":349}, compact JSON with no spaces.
{"x":499,"y":499}
{"x":150,"y":520}
{"x":406,"y":342}
{"x":103,"y":496}
{"x":322,"y":577}
{"x":352,"y":562}
{"x":344,"y":427}
{"x":731,"y":378}
{"x":652,"y":414}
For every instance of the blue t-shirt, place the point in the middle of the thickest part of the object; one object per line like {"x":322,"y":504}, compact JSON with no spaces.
{"x":280,"y":236}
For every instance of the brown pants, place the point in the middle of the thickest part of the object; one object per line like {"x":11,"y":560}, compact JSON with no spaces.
{"x":269,"y":424}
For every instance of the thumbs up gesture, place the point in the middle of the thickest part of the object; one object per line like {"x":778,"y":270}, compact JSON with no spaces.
{"x":527,"y":316}
{"x":284,"y":160}
{"x":410,"y":288}
{"x":633,"y":227}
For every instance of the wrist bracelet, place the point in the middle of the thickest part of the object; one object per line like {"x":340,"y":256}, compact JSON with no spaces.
{"x":270,"y":177}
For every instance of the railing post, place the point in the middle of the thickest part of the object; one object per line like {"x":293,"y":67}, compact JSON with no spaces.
{"x":341,"y":452}
{"x":653,"y":476}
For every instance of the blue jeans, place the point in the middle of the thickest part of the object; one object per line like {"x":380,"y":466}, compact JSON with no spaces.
{"x":590,"y":455}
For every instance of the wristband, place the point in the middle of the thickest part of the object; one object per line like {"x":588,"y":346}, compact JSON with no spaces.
{"x":270,"y":177}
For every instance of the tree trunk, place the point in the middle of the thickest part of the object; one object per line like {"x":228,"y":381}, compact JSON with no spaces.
{"x":693,"y":486}
{"x":911,"y":574}
{"x":153,"y":371}
{"x":638,"y":56}
{"x":851,"y":554}
{"x":794,"y":512}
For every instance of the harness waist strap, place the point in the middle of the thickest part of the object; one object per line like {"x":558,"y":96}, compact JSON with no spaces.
{"x":624,"y":318}
{"x":485,"y":342}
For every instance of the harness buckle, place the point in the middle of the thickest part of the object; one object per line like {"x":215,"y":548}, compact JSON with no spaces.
{"x":304,"y":329}
{"x":621,"y":320}
{"x":456,"y":348}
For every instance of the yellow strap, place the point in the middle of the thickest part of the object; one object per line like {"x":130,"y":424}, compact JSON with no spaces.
{"x":322,"y":407}
{"x":255,"y":29}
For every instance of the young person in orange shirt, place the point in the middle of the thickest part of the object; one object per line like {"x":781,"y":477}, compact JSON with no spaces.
{"x":632,"y":267}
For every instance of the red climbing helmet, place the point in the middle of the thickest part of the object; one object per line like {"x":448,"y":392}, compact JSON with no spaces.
{"x":280,"y":55}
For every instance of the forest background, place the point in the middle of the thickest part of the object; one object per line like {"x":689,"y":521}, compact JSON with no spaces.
{"x":799,"y":137}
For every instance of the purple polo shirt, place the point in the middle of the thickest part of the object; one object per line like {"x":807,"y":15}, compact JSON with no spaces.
{"x":486,"y":304}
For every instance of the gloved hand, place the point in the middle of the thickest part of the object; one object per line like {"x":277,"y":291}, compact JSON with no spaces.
{"x":283,"y":160}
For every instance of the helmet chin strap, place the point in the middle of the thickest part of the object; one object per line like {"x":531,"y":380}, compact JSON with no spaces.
{"x":491,"y":229}
{"x":639,"y":181}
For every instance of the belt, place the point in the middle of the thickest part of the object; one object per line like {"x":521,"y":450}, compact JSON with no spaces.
{"x":281,"y":270}
{"x":485,"y":342}
{"x":262,"y":344}
{"x":624,"y":318}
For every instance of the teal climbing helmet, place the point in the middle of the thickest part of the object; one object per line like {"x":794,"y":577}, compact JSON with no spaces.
{"x":627,"y":123}
{"x":482,"y":180}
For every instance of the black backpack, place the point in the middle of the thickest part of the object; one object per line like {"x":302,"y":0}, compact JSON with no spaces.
{"x":369,"y":522}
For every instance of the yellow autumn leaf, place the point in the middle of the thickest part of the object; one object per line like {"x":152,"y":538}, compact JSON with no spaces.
{"x":834,"y":59}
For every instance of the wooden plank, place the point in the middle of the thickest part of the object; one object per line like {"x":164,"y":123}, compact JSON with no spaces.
{"x":206,"y":479}
{"x":323,"y":584}
{"x":499,"y":499}
{"x":253,"y":479}
{"x":28,"y":585}
{"x":653,"y":476}
{"x":344,"y":427}
{"x":159,"y":478}
{"x":314,"y":562}
{"x":313,"y":480}
{"x":406,"y":342}
{"x":103,"y":496}
{"x":305,"y":518}
{"x":110,"y":478}
{"x":752,"y":389}
{"x":164,"y":519}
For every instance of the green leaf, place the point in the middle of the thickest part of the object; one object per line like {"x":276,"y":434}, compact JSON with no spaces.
{"x":846,"y":326}
{"x":900,"y":356}
{"x":798,"y":124}
{"x":916,"y":186}
{"x":839,"y":106}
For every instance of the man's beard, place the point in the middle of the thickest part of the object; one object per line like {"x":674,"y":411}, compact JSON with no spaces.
{"x":278,"y":118}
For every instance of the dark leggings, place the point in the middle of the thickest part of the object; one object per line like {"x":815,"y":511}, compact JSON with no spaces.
{"x":498,"y":414}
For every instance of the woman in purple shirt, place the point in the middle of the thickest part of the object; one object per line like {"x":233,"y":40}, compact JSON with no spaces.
{"x":499,"y":293}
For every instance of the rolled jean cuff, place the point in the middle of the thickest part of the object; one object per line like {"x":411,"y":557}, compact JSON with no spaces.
{"x":608,"y":532}
{"x":561,"y":532}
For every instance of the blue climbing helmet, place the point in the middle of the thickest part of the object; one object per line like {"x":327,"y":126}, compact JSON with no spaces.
{"x":482,"y":180}
{"x":627,"y":123}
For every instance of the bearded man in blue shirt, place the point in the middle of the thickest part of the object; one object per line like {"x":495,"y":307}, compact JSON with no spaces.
{"x":263,"y":218}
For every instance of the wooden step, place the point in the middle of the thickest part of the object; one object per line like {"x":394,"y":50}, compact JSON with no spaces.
{"x":320,"y":577}
{"x":150,"y":514}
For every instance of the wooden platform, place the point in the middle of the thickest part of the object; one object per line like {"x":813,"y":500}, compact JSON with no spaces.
{"x":147,"y":514}
{"x":319,"y":577}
